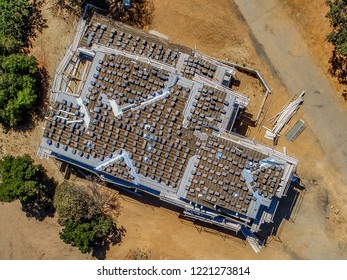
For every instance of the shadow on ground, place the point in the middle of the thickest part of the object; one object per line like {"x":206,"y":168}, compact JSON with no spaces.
{"x":288,"y":208}
{"x":36,"y":23}
{"x":100,"y":249}
{"x":140,"y":14}
{"x":338,"y":67}
{"x":41,"y":206}
{"x":244,"y":123}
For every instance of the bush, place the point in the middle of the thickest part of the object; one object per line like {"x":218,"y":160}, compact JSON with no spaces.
{"x":71,"y":203}
{"x":139,"y":254}
{"x":9,"y":45}
{"x":85,"y":235}
{"x":19,"y":179}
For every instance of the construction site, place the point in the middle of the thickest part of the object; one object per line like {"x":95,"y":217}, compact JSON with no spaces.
{"x":147,"y":115}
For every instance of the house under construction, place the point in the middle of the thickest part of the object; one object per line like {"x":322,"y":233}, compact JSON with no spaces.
{"x":148,"y":115}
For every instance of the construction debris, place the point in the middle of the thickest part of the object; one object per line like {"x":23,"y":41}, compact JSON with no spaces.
{"x":283,"y":117}
{"x":296,"y":130}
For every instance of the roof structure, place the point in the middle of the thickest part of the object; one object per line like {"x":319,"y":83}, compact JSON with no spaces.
{"x":150,"y":115}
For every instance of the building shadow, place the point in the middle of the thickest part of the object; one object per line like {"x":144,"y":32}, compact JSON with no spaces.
{"x":243,"y":123}
{"x":287,"y":210}
{"x":148,"y":200}
{"x":234,"y":83}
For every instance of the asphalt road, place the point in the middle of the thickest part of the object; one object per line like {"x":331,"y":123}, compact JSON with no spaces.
{"x":277,"y":39}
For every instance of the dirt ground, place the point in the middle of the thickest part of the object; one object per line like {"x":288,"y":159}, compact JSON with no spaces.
{"x":24,"y":238}
{"x":220,"y":31}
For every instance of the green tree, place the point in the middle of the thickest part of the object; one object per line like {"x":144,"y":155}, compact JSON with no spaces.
{"x":85,"y":235}
{"x":338,"y":37}
{"x":19,"y":21}
{"x":19,"y":82}
{"x":21,"y":179}
{"x":15,"y":18}
{"x":20,"y":64}
{"x":14,"y":15}
{"x":86,"y":225}
{"x":18,"y":87}
{"x":9,"y":45}
{"x":338,"y":19}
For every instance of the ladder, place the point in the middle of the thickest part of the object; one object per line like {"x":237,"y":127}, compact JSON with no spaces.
{"x":254,"y":244}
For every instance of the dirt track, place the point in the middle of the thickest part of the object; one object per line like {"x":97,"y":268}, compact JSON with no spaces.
{"x":289,"y":55}
{"x":277,"y":39}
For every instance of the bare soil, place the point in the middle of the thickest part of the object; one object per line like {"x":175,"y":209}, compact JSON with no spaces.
{"x":215,"y":28}
{"x":26,"y":239}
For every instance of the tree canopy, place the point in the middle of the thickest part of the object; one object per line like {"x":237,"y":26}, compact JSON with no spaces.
{"x":19,"y":82}
{"x":18,"y":87}
{"x":15,"y":19}
{"x":19,"y":178}
{"x":85,"y":235}
{"x":338,"y":37}
{"x":22,"y":179}
{"x":71,"y":203}
{"x":338,"y":19}
{"x":86,"y":226}
{"x":9,"y":45}
{"x":19,"y":21}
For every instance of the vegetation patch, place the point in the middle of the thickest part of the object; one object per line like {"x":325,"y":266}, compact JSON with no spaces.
{"x":338,"y":37}
{"x":86,"y":226}
{"x":22,"y":179}
{"x":139,"y":14}
{"x":18,"y":87}
{"x":20,"y":76}
{"x":139,"y":254}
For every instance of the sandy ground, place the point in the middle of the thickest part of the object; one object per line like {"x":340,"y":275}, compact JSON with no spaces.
{"x":25,"y":238}
{"x":217,"y":30}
